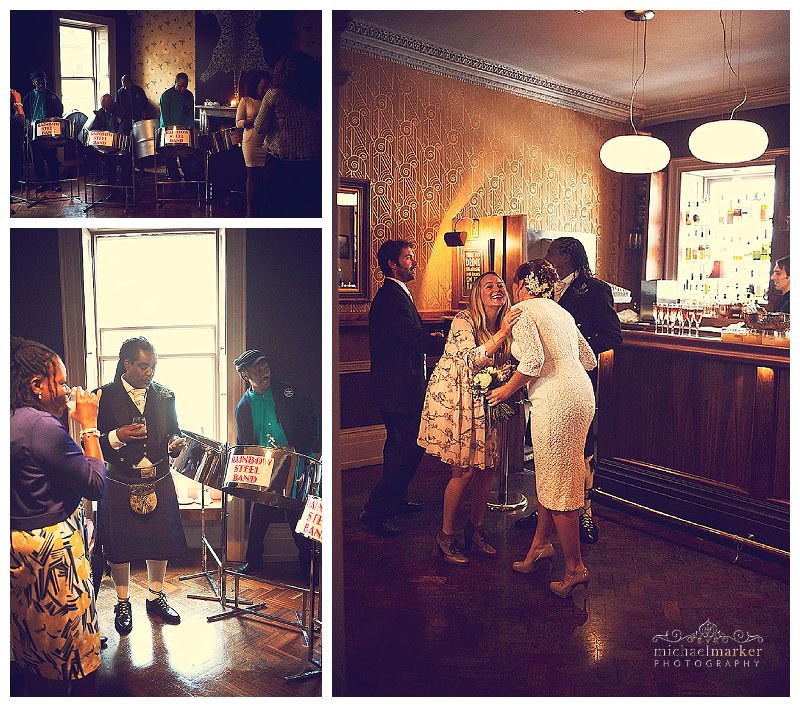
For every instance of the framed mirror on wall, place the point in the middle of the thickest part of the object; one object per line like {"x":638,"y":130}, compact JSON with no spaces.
{"x":353,"y":239}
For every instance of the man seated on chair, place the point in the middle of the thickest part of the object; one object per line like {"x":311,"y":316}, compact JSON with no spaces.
{"x":177,"y":108}
{"x":273,"y":414}
{"x":108,"y":118}
{"x":39,"y":104}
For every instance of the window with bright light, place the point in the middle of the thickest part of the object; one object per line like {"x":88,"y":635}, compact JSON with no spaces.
{"x":84,"y":53}
{"x":165,"y":287}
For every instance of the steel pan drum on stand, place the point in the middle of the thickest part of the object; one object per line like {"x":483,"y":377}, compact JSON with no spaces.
{"x":106,"y":142}
{"x":51,"y":134}
{"x":144,"y":138}
{"x":203,"y":460}
{"x":178,"y":141}
{"x":282,"y":478}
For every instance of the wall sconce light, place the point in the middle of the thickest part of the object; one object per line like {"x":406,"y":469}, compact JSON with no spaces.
{"x":637,"y":153}
{"x":455,"y":238}
{"x":731,"y":140}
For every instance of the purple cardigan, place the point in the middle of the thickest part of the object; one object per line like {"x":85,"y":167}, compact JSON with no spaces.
{"x":49,"y":474}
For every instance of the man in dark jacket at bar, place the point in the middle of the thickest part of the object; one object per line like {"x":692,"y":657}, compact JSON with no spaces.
{"x":591,"y":303}
{"x":397,"y":344}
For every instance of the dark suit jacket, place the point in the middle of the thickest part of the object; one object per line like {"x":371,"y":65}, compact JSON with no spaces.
{"x":53,"y":108}
{"x":591,"y":303}
{"x":117,"y":409}
{"x":295,"y":413}
{"x":397,"y":343}
{"x":100,"y":121}
{"x":133,"y":105}
{"x":783,"y":305}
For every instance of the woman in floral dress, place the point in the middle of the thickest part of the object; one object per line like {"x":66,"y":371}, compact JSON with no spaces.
{"x":453,"y":425}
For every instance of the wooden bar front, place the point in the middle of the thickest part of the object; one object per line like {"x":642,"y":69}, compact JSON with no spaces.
{"x":698,"y":428}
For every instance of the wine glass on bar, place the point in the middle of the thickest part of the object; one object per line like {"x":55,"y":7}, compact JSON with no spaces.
{"x":673,"y":310}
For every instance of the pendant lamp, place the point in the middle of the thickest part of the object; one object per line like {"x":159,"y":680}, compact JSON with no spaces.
{"x":731,"y":140}
{"x":637,"y":153}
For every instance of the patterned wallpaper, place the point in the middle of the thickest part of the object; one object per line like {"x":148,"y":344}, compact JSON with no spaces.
{"x":162,"y":44}
{"x":435,"y":148}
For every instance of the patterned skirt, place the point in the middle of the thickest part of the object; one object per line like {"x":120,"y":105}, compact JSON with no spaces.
{"x":54,"y":632}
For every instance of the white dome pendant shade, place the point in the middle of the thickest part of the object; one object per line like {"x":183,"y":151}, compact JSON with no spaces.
{"x":634,"y":154}
{"x":728,"y":141}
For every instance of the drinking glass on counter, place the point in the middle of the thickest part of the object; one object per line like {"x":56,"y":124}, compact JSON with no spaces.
{"x":673,"y":310}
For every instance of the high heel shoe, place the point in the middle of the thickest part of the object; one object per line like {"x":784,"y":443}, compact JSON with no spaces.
{"x":564,"y":589}
{"x":546,"y":553}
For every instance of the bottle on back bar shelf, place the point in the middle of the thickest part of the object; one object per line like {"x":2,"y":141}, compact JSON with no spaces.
{"x":763,"y":212}
{"x":688,"y":219}
{"x":729,"y":215}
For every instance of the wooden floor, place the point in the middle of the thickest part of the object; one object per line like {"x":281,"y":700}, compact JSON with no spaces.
{"x":232,"y":657}
{"x":416,"y":626}
{"x":59,"y":205}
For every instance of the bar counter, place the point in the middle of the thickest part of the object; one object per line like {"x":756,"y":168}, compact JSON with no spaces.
{"x":697,"y":429}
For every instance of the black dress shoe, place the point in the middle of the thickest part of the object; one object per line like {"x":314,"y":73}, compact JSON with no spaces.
{"x":250,"y":568}
{"x":103,"y":642}
{"x":160,"y":608}
{"x":588,"y":530}
{"x":379,"y":526}
{"x":123,"y":618}
{"x":408,"y":507}
{"x":530,"y":521}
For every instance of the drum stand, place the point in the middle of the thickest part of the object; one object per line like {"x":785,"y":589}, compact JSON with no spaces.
{"x":315,"y":612}
{"x":218,"y":585}
{"x":241,"y":608}
{"x":128,"y":190}
{"x":201,"y":198}
{"x":504,"y":500}
{"x":74,"y":182}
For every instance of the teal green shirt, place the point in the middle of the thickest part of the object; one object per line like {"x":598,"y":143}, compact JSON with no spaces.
{"x":177,"y":108}
{"x":266,"y":425}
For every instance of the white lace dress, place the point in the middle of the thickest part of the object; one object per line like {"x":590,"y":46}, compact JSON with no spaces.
{"x":549,"y":346}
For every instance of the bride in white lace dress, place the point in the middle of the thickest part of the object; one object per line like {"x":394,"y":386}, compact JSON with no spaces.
{"x":553,"y":357}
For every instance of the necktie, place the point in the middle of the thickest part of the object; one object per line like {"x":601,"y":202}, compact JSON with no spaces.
{"x":139,"y":395}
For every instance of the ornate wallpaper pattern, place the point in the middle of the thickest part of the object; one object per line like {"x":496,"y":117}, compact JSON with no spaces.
{"x":162,"y":44}
{"x":435,"y":149}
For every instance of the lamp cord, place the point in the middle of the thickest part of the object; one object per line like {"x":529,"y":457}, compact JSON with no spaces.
{"x":728,"y":58}
{"x":636,"y":83}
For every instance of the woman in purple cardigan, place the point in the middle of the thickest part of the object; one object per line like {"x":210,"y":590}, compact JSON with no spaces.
{"x":54,"y":633}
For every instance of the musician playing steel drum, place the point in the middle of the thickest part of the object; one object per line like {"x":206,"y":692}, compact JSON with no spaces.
{"x":177,"y":108}
{"x":39,"y":104}
{"x":110,"y":118}
{"x":272,"y":413}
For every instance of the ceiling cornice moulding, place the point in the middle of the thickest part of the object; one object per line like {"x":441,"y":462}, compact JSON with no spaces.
{"x":410,"y":51}
{"x":373,"y":40}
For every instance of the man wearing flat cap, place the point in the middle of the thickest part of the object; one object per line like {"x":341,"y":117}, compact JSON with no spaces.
{"x":39,"y":104}
{"x":272,"y":413}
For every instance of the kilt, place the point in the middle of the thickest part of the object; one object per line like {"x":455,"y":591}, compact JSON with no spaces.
{"x":125,"y":535}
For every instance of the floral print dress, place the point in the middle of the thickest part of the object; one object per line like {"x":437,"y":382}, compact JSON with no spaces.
{"x":453,"y":424}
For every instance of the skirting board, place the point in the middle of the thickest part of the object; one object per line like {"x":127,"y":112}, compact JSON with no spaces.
{"x":361,"y":446}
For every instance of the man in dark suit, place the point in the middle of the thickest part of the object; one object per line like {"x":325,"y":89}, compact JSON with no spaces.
{"x":591,"y":303}
{"x":132,"y":103}
{"x":397,"y":344}
{"x":138,"y":518}
{"x":273,"y":414}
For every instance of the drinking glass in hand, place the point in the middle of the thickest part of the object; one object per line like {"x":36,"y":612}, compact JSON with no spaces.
{"x":140,"y":420}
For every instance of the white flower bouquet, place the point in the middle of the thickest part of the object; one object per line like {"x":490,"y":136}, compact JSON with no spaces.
{"x":488,"y":379}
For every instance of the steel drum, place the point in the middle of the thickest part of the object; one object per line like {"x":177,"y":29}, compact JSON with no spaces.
{"x":224,"y":140}
{"x":107,"y":142}
{"x":78,"y":119}
{"x":177,"y":141}
{"x":51,"y":132}
{"x":271,"y":476}
{"x":202,"y":460}
{"x":144,"y":138}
